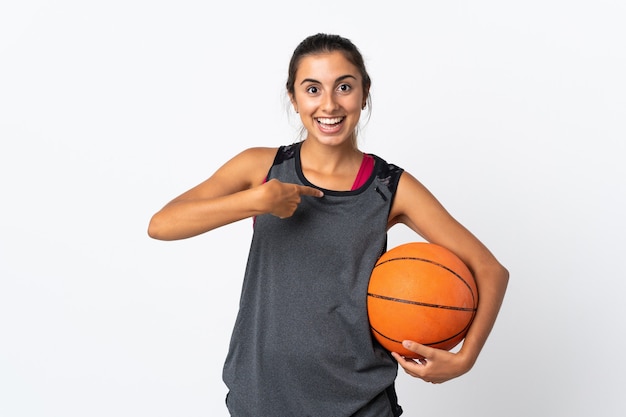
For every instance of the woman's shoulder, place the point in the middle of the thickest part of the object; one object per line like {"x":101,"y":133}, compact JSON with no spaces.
{"x":254,"y":163}
{"x":249,"y":165}
{"x":258,"y":152}
{"x":273,"y":155}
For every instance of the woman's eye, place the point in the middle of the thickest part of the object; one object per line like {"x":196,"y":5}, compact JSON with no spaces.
{"x":312,"y":90}
{"x":344,"y":88}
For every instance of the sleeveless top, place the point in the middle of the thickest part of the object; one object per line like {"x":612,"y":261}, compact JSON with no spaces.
{"x":301,"y":345}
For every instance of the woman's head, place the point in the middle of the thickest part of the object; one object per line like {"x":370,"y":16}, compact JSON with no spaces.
{"x":322,"y":43}
{"x":323,"y":67}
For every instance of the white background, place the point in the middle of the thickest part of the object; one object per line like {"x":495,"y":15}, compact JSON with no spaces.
{"x":512,"y":113}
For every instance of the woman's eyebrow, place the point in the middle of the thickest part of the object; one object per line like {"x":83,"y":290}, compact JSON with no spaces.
{"x":312,"y":80}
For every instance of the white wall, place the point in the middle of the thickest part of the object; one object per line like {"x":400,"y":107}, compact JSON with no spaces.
{"x":512,"y":113}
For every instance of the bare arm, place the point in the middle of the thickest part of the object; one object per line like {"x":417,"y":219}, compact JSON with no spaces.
{"x":416,"y":207}
{"x":234,"y":192}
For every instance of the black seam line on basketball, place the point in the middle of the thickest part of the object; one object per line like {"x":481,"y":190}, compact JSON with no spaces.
{"x":385,"y":336}
{"x":412,"y":258}
{"x":425,"y":344}
{"x":417,"y":303}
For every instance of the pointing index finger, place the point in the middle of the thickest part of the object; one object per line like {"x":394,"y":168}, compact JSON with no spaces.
{"x":314,"y":192}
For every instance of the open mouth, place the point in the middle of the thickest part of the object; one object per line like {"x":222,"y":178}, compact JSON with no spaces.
{"x":329,"y":120}
{"x":330,"y":124}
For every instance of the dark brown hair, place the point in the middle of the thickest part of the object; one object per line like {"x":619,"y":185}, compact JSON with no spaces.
{"x":325,"y":43}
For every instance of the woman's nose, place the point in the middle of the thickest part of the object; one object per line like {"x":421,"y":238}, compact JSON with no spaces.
{"x":329,"y":102}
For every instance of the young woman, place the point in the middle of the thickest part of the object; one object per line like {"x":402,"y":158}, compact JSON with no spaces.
{"x":301,"y":345}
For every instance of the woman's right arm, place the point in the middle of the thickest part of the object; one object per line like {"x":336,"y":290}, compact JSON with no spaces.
{"x":234,"y":192}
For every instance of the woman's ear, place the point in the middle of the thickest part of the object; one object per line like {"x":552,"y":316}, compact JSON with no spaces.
{"x":293,"y":103}
{"x":365,"y":97}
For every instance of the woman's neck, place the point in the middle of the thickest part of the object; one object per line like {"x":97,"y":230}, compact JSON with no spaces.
{"x":330,"y":167}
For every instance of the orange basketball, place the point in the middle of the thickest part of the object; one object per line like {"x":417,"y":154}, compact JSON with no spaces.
{"x":422,"y":292}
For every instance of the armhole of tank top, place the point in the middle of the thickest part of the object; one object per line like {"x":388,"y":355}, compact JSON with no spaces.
{"x":283,"y":153}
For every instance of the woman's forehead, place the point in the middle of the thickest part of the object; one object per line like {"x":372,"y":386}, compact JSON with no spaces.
{"x":328,"y":65}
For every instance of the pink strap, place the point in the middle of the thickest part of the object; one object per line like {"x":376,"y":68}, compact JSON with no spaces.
{"x":367,"y":166}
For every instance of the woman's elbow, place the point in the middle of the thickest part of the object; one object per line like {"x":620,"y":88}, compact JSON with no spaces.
{"x":156,"y":228}
{"x":503,"y":274}
{"x":495,"y":273}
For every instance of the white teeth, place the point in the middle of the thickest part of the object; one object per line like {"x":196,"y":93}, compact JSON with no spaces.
{"x":330,"y":121}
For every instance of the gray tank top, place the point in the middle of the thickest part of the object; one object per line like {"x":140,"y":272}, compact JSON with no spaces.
{"x":301,"y":345}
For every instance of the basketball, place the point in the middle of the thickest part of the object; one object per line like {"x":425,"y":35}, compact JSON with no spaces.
{"x":422,"y":292}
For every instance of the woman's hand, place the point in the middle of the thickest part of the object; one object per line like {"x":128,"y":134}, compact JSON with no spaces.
{"x":437,"y":365}
{"x":283,"y":198}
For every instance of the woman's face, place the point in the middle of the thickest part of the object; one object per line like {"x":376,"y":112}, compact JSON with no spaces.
{"x":329,"y":96}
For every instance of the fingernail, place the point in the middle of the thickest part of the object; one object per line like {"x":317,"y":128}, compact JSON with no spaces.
{"x":406,"y":344}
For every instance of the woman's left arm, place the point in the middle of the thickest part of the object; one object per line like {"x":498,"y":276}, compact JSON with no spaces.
{"x":418,"y":209}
